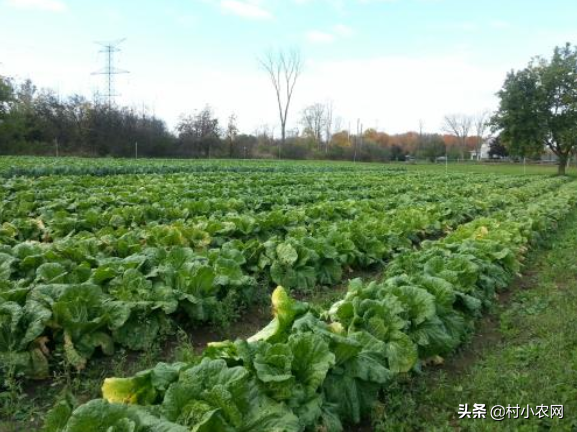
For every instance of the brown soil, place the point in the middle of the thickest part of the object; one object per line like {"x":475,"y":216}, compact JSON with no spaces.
{"x":249,"y":323}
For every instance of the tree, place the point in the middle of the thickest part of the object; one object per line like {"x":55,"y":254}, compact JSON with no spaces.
{"x":538,"y":107}
{"x":231,"y":134}
{"x":199,"y":132}
{"x":6,"y":95}
{"x":313,"y":120}
{"x":39,"y":121}
{"x":6,"y":99}
{"x":329,"y":123}
{"x":284,"y":69}
{"x":497,"y":149}
{"x":78,"y":110}
{"x":245,"y":145}
{"x":459,"y":125}
{"x":46,"y":119}
{"x":431,"y":146}
{"x":340,"y":139}
{"x":397,"y":153}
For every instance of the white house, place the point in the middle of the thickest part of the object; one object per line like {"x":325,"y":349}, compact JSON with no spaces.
{"x":484,"y":151}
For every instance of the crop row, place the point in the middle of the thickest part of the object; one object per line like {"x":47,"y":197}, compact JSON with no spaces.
{"x":45,"y":166}
{"x":322,"y":369}
{"x":167,"y":198}
{"x":84,"y":293}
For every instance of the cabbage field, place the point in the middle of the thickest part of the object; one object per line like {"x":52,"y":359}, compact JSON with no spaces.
{"x":101,"y":256}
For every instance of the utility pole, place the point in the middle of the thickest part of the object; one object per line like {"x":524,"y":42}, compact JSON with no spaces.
{"x":109,"y":49}
{"x":524,"y":165}
{"x":349,"y":134}
{"x":136,"y":150}
{"x":356,"y":141}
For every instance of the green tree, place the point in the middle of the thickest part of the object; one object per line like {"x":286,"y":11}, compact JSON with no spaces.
{"x":199,"y":133}
{"x":497,"y":149}
{"x":538,"y":107}
{"x":430,"y":147}
{"x":6,"y":95}
{"x":7,"y":98}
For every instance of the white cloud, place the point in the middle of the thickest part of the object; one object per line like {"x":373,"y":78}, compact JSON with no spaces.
{"x":324,"y":37}
{"x":466,"y":26}
{"x":186,"y":20}
{"x":499,"y":24}
{"x":45,"y":5}
{"x":343,"y":30}
{"x":338,"y":5}
{"x":317,"y":36}
{"x":393,"y":91}
{"x":245,"y":9}
{"x":397,"y":91}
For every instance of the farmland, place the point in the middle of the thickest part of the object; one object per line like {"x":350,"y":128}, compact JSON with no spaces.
{"x":108,"y":256}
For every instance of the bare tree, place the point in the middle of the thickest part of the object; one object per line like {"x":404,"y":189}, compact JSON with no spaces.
{"x":481,"y":123}
{"x":265,"y":135}
{"x":459,"y":125}
{"x":313,"y":120}
{"x":338,"y":124}
{"x":329,"y":123}
{"x":283,"y":69}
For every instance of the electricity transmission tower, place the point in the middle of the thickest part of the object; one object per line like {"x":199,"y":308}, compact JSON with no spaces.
{"x":110,"y":48}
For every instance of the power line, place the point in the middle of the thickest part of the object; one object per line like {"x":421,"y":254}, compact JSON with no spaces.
{"x":110,"y":48}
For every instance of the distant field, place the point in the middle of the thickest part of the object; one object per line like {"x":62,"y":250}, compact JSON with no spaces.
{"x":496,"y":168}
{"x":36,"y":166}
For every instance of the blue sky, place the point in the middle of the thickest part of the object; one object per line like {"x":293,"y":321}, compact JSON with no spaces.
{"x":391,"y":63}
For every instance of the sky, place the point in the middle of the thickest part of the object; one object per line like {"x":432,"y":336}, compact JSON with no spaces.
{"x":393,"y":64}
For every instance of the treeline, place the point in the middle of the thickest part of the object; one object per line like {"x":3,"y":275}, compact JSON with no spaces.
{"x":39,"y":122}
{"x":36,"y":121}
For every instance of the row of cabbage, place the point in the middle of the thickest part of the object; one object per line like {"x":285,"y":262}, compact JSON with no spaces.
{"x":312,"y":369}
{"x":44,"y":166}
{"x":88,"y":292}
